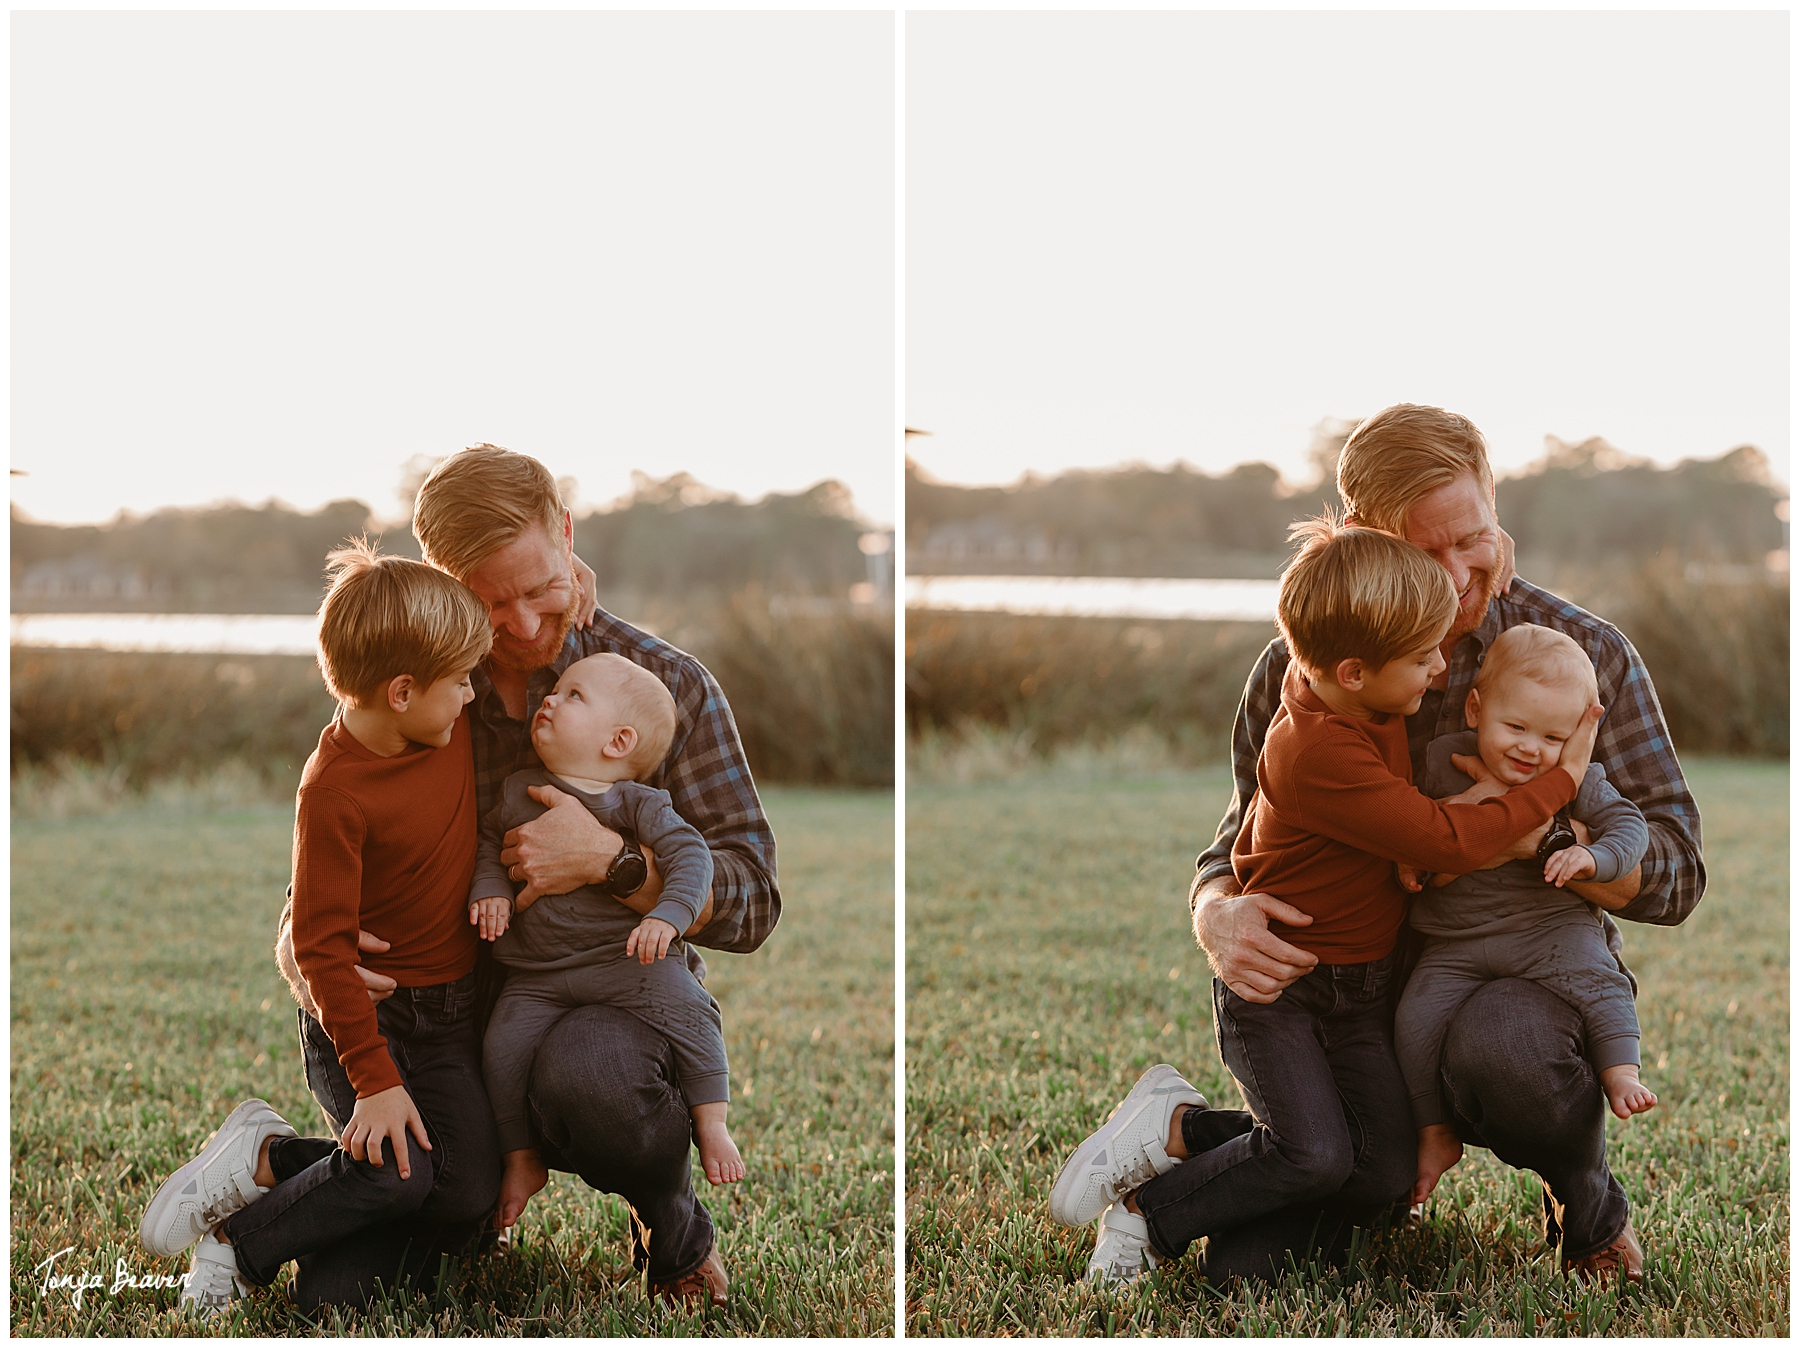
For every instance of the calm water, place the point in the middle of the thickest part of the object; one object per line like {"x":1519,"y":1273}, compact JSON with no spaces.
{"x":233,"y":633}
{"x":1098,"y":596}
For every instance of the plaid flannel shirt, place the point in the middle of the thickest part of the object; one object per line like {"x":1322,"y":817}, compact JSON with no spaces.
{"x":1632,"y":744}
{"x":705,"y":773}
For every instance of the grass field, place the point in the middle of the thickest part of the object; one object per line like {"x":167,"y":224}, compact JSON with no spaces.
{"x":1049,"y":963}
{"x":146,"y":1003}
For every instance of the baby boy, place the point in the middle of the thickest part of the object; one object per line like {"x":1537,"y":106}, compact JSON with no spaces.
{"x":1516,"y":920}
{"x":608,"y":723}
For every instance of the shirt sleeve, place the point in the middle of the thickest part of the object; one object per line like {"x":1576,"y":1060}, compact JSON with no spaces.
{"x":1256,"y":709}
{"x":709,"y":781}
{"x":681,"y":856}
{"x":328,"y":842}
{"x":1343,"y":790}
{"x":491,"y":880}
{"x":1619,"y":833}
{"x":1634,"y":746}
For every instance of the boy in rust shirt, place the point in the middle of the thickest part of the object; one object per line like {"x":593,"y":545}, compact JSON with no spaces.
{"x":1364,"y":614}
{"x":384,"y":840}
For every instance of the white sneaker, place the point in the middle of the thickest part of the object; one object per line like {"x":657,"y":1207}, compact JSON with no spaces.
{"x":215,"y":1184}
{"x":213,"y":1281}
{"x":1126,"y":1151}
{"x":1122,"y":1253}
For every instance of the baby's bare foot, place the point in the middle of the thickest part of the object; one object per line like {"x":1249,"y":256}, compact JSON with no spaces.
{"x":1439,"y":1149}
{"x":1624,"y":1092}
{"x":523,"y":1175}
{"x":718,"y":1153}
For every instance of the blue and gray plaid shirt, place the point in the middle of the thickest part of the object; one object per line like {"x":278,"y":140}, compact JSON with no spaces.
{"x":705,"y":773}
{"x":1633,"y":744}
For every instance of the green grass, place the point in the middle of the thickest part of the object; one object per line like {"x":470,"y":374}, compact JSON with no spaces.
{"x":1049,"y":963}
{"x":146,"y":1003}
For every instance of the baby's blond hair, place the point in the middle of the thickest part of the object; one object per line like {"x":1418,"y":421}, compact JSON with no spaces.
{"x":388,"y":616}
{"x":1540,"y":654}
{"x":1357,"y":593}
{"x":645,"y":704}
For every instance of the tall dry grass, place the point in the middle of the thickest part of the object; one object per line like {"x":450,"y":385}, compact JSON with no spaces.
{"x":812,"y":694}
{"x":985,"y":693}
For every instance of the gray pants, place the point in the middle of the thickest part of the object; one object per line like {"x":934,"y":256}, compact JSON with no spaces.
{"x":665,"y":995}
{"x":1565,"y":952}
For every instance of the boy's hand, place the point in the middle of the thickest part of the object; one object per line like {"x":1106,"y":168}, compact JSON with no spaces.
{"x":491,"y":915}
{"x":1578,"y":749}
{"x":649,"y":940}
{"x":382,"y":1116}
{"x":1572,"y":863}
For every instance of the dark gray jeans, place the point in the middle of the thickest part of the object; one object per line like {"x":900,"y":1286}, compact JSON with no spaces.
{"x":349,"y":1223}
{"x":1331,"y":1118}
{"x":1515,"y":1079}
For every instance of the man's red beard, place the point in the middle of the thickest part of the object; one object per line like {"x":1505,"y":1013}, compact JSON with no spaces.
{"x":523,"y":657}
{"x":1468,"y":619}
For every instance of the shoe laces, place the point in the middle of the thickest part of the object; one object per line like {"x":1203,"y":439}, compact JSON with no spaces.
{"x":239,"y":1193}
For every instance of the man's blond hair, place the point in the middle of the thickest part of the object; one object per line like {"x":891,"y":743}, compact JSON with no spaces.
{"x":644,"y":703}
{"x":1541,"y":654}
{"x":1402,"y":453}
{"x":1357,"y":593}
{"x":388,"y":616}
{"x":479,"y":501}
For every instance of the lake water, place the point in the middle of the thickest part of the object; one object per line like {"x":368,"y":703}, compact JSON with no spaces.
{"x":223,"y":633}
{"x":1098,"y":596}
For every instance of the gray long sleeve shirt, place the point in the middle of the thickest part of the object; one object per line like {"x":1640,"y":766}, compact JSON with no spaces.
{"x":588,"y":925}
{"x":1512,"y":897}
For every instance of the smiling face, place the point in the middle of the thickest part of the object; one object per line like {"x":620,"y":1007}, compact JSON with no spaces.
{"x":529,"y":588}
{"x":1455,"y":523}
{"x":1521,"y":725}
{"x":431,"y":713}
{"x":1399,"y":686}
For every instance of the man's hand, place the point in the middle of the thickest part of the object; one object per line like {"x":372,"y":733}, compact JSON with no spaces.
{"x":385,"y":1115}
{"x":380,"y":986}
{"x":650,"y":939}
{"x":1233,"y":930}
{"x":491,"y":915}
{"x":564,"y":848}
{"x":1572,"y":863}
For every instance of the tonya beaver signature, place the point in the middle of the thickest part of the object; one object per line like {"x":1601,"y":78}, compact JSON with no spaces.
{"x":83,"y":1282}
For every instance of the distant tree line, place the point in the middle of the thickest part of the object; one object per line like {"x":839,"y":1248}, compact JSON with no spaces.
{"x":672,"y":538}
{"x":1584,"y":504}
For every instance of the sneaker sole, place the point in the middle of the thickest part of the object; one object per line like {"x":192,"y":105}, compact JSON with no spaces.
{"x":168,"y":1197}
{"x":1069,"y":1178}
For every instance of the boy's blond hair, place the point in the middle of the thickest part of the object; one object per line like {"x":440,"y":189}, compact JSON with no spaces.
{"x":1358,"y":593}
{"x":388,"y":616}
{"x":644,"y":703}
{"x":1540,"y":654}
{"x":479,"y":501}
{"x":1405,"y":452}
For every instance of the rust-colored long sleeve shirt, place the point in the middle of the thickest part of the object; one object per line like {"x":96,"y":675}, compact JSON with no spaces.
{"x":388,"y":845}
{"x":1335,"y":808}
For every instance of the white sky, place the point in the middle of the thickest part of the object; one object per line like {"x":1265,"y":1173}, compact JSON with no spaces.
{"x":1194,"y":236}
{"x":268,"y":254}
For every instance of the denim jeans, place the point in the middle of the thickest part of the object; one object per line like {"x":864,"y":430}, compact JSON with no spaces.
{"x":604,"y":1102}
{"x":348,"y":1222}
{"x":1331,"y":1118}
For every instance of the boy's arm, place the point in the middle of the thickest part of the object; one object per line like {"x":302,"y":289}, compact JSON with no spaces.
{"x":682,"y":856}
{"x":1617,"y":833}
{"x":328,"y":842}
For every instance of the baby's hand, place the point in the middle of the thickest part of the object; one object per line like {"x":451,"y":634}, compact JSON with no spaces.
{"x":649,"y":940}
{"x":1572,"y":863}
{"x":491,"y":915}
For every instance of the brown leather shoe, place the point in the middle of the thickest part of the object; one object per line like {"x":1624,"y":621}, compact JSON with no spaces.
{"x":1624,"y":1254}
{"x":708,"y":1280}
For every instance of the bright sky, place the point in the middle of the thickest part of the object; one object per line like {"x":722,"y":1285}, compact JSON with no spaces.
{"x":270,"y":254}
{"x":1193,"y":236}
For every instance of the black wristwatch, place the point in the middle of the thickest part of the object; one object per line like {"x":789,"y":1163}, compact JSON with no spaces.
{"x":1557,"y":837}
{"x":627,"y":873}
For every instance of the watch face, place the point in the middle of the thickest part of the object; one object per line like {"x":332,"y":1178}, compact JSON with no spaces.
{"x":628,"y":873}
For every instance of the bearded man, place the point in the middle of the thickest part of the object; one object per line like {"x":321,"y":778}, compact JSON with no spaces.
{"x":1514,"y":1076}
{"x":603,"y":1096}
